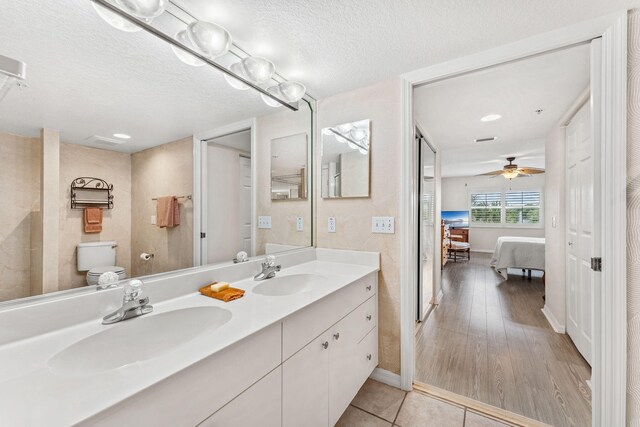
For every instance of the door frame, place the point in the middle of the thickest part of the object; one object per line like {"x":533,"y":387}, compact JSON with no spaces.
{"x":200,"y":197}
{"x":610,"y":322}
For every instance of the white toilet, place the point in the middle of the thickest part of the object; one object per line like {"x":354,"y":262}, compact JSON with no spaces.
{"x":97,"y":258}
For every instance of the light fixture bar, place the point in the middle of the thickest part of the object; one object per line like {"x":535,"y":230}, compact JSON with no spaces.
{"x":148,"y":28}
{"x":348,"y":139}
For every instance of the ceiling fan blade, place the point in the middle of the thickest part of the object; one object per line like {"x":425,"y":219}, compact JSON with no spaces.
{"x":494,"y":173}
{"x":530,"y":171}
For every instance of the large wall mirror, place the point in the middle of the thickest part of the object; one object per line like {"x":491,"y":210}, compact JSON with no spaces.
{"x":97,"y":162}
{"x":346,"y":160}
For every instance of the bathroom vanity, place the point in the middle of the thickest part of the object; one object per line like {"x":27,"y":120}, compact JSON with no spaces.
{"x":293,"y":351}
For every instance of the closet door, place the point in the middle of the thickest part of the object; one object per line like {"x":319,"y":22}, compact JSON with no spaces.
{"x":580,"y":231}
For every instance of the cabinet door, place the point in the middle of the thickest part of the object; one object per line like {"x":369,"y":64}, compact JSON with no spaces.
{"x":260,"y":405}
{"x":305,"y":385}
{"x":346,"y":361}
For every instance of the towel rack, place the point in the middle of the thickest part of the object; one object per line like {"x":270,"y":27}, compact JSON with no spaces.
{"x":188,"y":197}
{"x":85,"y":185}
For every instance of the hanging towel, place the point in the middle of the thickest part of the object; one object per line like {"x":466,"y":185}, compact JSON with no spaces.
{"x":92,"y":220}
{"x":167,"y":212}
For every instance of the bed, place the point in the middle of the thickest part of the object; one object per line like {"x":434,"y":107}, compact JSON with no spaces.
{"x":526,"y":253}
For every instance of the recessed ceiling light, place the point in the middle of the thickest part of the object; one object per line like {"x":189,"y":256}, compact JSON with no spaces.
{"x":121,"y":136}
{"x":491,"y":118}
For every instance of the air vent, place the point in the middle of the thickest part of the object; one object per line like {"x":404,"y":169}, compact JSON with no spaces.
{"x":103,"y":140}
{"x":493,"y":138}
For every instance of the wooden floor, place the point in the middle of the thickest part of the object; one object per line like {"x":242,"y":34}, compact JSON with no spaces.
{"x":488,"y":340}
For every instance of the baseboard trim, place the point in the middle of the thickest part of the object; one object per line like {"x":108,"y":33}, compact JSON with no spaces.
{"x":386,"y":377}
{"x":479,"y":407}
{"x":440,"y":296}
{"x":557,"y":326}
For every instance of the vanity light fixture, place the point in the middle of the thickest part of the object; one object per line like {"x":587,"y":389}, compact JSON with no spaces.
{"x":182,"y":55}
{"x":238,"y":69}
{"x":258,"y":70}
{"x":122,"y":135}
{"x":491,"y":118}
{"x":144,"y":9}
{"x":12,"y":73}
{"x":292,"y":91}
{"x":361,"y":146}
{"x":209,"y":38}
{"x":275,"y":91}
{"x":115,"y":20}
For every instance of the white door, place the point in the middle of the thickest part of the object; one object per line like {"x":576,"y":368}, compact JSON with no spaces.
{"x":581,"y":216}
{"x":426,"y":217}
{"x":245,"y":205}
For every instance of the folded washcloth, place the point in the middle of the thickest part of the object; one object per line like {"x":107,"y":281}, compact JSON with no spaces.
{"x":226,"y":295}
{"x":92,"y":220}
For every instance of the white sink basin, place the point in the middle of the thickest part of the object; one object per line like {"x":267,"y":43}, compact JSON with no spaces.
{"x":291,"y":284}
{"x":136,"y":340}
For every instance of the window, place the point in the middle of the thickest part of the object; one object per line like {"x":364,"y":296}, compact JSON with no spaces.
{"x":522,"y":207}
{"x":506,"y":208}
{"x":486,"y":208}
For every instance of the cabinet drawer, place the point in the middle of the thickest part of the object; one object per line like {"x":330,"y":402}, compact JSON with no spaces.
{"x":368,"y":353}
{"x":364,"y":318}
{"x":302,"y":327}
{"x":260,"y":405}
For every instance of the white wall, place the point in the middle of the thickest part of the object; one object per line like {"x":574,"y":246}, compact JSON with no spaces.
{"x":455,"y":197}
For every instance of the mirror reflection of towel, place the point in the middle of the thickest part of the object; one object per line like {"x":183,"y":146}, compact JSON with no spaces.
{"x":92,"y":220}
{"x":167,"y":212}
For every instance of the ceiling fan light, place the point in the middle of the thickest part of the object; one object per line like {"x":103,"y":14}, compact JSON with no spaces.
{"x":210,"y":39}
{"x":275,"y":91}
{"x":511,"y":174}
{"x":233,"y":82}
{"x":182,"y":55}
{"x":292,"y":91}
{"x":115,"y":20}
{"x":144,"y":9}
{"x":258,"y":70}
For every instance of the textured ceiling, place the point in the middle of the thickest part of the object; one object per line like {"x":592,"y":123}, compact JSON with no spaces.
{"x":333,"y":46}
{"x":450,"y":110}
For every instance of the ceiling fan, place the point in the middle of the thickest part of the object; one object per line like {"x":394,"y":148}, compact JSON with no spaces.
{"x":512,"y":170}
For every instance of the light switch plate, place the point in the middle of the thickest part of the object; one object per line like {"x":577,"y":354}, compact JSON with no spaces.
{"x":153,"y":220}
{"x":383,"y":224}
{"x":299,"y":224}
{"x":331,"y":225}
{"x":264,"y":222}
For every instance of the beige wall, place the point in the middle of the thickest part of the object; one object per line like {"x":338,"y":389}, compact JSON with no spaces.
{"x":381,"y":104}
{"x":633,"y":216}
{"x":283,"y":212}
{"x":20,"y":189}
{"x":455,"y":197}
{"x":113,"y":167}
{"x":162,"y":171}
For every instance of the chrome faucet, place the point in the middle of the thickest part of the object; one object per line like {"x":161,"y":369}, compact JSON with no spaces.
{"x":269,"y":269}
{"x":134,"y":304}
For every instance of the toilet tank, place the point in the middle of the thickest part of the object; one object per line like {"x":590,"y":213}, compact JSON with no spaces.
{"x":96,"y":254}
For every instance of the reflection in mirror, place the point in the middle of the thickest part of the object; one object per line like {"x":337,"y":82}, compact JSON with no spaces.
{"x":289,"y":167}
{"x":120,"y":109}
{"x":346,"y":160}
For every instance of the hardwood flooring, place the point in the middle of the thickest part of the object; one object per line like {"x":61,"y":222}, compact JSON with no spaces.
{"x":488,"y":340}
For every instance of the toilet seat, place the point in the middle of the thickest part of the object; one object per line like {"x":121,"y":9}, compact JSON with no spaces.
{"x":94,"y":274}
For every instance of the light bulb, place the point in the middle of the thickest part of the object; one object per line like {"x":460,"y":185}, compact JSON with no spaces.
{"x":511,"y":175}
{"x":327,"y":131}
{"x":341,"y":139}
{"x":233,"y":82}
{"x":258,"y":70}
{"x":292,"y":91}
{"x":358,"y":134}
{"x":363,"y":151}
{"x":210,"y":39}
{"x":345,"y":128}
{"x":145,"y":9}
{"x":115,"y":20}
{"x":352,"y":145}
{"x":182,"y":55}
{"x":275,"y":91}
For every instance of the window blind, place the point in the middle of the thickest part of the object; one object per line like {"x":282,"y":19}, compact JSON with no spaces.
{"x":522,"y":207}
{"x":486,"y":208}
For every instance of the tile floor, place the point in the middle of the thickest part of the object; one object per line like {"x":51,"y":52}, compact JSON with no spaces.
{"x":379,"y":405}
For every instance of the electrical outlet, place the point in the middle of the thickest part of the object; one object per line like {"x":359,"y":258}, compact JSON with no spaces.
{"x":153,"y":220}
{"x":383,"y":224}
{"x":331,"y":225}
{"x":299,"y":224}
{"x":264,"y":222}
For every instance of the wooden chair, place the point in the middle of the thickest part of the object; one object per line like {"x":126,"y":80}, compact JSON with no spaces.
{"x":457,"y":246}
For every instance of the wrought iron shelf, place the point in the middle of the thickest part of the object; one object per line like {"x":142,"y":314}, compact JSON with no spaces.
{"x":86,"y":185}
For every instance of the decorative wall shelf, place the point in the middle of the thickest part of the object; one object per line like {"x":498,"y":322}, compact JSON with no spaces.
{"x":91,"y":192}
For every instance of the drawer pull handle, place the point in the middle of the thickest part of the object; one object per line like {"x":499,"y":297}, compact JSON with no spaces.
{"x":336,"y":336}
{"x":369,"y":287}
{"x":368,"y":357}
{"x":325,"y":345}
{"x":368,"y":317}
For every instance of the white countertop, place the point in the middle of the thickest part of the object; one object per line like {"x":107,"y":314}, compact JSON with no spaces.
{"x":30,"y":394}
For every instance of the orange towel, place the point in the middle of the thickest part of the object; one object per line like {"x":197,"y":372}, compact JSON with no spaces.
{"x":167,"y":212}
{"x":227,"y":295}
{"x":92,"y":220}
